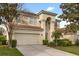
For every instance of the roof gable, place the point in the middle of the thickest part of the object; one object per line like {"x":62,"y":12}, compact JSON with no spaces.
{"x":46,"y":12}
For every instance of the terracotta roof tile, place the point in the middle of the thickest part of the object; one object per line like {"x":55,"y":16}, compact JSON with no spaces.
{"x":27,"y":14}
{"x":47,"y":12}
{"x":63,"y":30}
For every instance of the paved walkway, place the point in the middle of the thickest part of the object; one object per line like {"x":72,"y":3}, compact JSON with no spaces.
{"x":40,"y":50}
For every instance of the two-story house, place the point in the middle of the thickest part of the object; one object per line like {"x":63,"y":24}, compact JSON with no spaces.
{"x":32,"y":28}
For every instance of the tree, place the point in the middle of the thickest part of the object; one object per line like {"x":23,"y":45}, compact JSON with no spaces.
{"x":9,"y":12}
{"x":56,"y":34}
{"x":71,"y":28}
{"x":70,"y":12}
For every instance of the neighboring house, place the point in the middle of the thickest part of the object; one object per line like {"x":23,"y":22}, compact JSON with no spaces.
{"x":71,"y":36}
{"x":32,"y":28}
{"x":3,"y":31}
{"x":68,"y":35}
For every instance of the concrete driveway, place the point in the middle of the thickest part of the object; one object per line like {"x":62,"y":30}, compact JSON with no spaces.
{"x":40,"y":50}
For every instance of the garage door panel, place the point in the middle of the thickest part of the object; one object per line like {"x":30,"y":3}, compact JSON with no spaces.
{"x":23,"y":39}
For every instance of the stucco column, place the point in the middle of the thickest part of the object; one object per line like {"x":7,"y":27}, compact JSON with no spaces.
{"x":43,"y":26}
{"x":52,"y":29}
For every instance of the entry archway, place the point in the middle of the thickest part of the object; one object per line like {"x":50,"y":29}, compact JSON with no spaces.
{"x":47,"y":28}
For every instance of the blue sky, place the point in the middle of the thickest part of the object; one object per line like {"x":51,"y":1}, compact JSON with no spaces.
{"x":52,"y":7}
{"x":36,"y":7}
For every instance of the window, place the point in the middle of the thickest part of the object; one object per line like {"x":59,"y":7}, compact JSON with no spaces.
{"x":18,"y":20}
{"x":35,"y":21}
{"x":25,"y":20}
{"x":22,"y":19}
{"x":32,"y":20}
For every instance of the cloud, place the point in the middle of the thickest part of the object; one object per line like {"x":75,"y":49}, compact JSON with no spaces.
{"x":63,"y":24}
{"x":50,"y":8}
{"x":36,"y":12}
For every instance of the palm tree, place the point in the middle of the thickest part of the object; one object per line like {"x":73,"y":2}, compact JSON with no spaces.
{"x":9,"y":12}
{"x":56,"y":34}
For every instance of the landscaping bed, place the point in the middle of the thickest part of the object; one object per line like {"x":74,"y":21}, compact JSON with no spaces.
{"x":64,"y":45}
{"x":70,"y":49}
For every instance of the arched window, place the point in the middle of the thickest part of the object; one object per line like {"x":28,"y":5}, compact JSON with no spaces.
{"x":40,"y":22}
{"x":48,"y":23}
{"x":47,"y":27}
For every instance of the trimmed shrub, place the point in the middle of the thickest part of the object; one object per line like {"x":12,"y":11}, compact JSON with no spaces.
{"x":77,"y":42}
{"x":2,"y":37}
{"x":0,"y":43}
{"x":45,"y":42}
{"x":51,"y":44}
{"x":66,"y":42}
{"x":58,"y":42}
{"x":14,"y":43}
{"x":2,"y":40}
{"x":63,"y":42}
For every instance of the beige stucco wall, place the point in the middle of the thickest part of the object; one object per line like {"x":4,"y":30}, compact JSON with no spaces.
{"x":26,"y":20}
{"x":43,"y":18}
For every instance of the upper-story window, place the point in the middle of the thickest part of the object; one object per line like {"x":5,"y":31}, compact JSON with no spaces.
{"x":22,"y":20}
{"x":32,"y":20}
{"x":18,"y":20}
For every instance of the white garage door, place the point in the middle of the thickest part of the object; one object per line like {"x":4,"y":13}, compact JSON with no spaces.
{"x":24,"y":39}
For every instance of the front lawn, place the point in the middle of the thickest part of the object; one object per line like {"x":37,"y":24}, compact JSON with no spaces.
{"x":5,"y":51}
{"x":71,"y":49}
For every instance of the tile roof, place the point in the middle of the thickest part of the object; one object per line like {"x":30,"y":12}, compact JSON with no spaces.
{"x":27,"y":13}
{"x":46,"y":12}
{"x":63,"y":30}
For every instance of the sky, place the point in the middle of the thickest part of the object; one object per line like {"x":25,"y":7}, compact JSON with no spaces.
{"x":52,"y":7}
{"x":36,"y":7}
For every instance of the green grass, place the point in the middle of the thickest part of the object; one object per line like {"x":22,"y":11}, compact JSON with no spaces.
{"x":5,"y":51}
{"x":71,"y":49}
